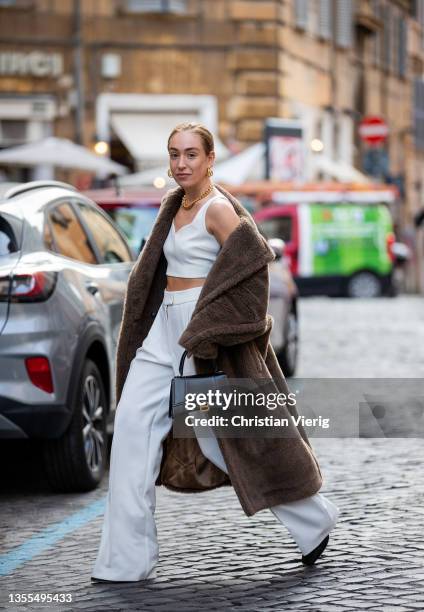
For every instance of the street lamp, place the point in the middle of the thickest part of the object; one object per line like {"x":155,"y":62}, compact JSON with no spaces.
{"x":101,"y":147}
{"x":159,"y":182}
{"x":317,"y":146}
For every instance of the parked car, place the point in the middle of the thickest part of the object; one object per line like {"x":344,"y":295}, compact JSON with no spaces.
{"x":283,"y":307}
{"x":64,"y":267}
{"x":135,"y":213}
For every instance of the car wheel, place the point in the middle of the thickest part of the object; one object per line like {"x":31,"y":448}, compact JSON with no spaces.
{"x":287,"y":357}
{"x":76,"y":461}
{"x":364,"y":285}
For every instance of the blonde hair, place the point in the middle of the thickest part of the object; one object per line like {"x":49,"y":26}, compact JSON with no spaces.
{"x":205,"y":135}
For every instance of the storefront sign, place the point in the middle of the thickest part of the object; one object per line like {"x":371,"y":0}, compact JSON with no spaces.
{"x":36,"y":63}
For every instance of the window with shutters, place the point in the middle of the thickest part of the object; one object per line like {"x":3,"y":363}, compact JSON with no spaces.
{"x":313,"y":17}
{"x":325,"y":17}
{"x":377,"y":42}
{"x":420,"y":17}
{"x":387,"y":38}
{"x":402,"y":46}
{"x":301,"y":13}
{"x":418,"y":11}
{"x":17,"y":4}
{"x":344,"y":23}
{"x":134,"y":7}
{"x":13,"y":132}
{"x":418,"y":104}
{"x":395,"y":43}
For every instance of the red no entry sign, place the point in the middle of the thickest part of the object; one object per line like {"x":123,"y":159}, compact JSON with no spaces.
{"x":373,"y":130}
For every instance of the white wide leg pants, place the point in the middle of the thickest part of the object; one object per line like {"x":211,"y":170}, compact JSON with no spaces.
{"x":128,"y":547}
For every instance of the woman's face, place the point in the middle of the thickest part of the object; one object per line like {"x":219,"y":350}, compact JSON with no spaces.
{"x":188,"y":160}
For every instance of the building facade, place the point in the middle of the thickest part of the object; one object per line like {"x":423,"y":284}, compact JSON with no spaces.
{"x":125,"y":71}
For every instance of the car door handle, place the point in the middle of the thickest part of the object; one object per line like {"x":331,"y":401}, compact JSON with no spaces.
{"x":91,"y":287}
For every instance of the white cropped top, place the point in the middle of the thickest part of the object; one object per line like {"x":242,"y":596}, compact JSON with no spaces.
{"x":192,"y":250}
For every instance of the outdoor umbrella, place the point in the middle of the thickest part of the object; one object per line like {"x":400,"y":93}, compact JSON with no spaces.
{"x":61,"y":153}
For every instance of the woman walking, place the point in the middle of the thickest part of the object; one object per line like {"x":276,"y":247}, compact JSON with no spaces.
{"x":201,"y":284}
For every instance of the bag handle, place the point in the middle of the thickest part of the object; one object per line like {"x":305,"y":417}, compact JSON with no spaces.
{"x":184,"y":355}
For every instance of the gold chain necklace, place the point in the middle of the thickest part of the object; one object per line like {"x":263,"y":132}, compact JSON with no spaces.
{"x":188,"y":205}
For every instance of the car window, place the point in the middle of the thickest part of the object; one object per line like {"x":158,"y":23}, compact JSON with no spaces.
{"x":110,"y":244}
{"x":64,"y":234}
{"x":8,"y":234}
{"x":278,"y":227}
{"x":135,"y":222}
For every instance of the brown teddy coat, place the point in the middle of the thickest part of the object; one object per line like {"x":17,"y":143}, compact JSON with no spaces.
{"x":229,"y":323}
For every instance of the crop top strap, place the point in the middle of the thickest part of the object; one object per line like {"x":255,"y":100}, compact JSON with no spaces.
{"x":215,"y":197}
{"x":202,"y":211}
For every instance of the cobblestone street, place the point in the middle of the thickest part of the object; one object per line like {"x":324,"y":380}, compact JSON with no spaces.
{"x":213,"y":557}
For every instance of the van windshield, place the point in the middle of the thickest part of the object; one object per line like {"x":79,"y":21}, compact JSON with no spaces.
{"x":278,"y":227}
{"x":135,"y":222}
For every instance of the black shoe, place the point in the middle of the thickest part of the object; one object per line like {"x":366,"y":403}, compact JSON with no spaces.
{"x":311,"y":557}
{"x":95,"y":580}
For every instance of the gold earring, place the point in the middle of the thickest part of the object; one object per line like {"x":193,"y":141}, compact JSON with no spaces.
{"x":170,"y":173}
{"x":209,"y":172}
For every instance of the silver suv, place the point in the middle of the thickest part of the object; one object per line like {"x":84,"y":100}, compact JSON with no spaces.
{"x":64,"y":268}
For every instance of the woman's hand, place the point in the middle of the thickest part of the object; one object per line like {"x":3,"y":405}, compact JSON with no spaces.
{"x":221,"y":220}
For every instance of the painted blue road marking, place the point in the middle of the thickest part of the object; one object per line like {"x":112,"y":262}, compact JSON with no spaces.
{"x":48,"y":537}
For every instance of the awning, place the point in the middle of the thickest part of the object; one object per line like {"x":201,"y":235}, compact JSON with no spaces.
{"x":145,"y":135}
{"x":147,"y":178}
{"x":339,"y":170}
{"x":247,"y":165}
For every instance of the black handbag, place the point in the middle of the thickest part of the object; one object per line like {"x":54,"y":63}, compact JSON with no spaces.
{"x":195,"y":383}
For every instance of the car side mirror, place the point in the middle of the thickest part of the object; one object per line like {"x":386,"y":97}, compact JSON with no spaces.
{"x":401,"y":252}
{"x":277,"y":245}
